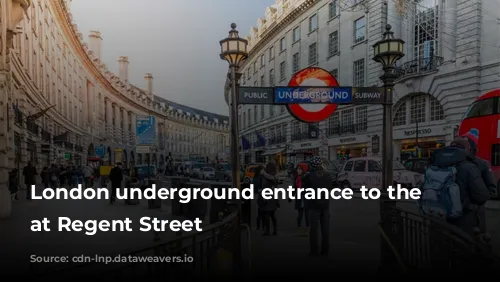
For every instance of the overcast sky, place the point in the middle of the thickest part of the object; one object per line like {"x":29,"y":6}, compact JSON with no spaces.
{"x":176,"y":41}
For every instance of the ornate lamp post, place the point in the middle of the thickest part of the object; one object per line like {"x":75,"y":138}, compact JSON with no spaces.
{"x":234,"y":51}
{"x":387,"y":52}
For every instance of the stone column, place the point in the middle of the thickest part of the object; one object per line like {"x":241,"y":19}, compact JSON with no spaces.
{"x":124,"y":127}
{"x":118,"y":130}
{"x":5,"y":201}
{"x":109,"y":121}
{"x":132,"y":133}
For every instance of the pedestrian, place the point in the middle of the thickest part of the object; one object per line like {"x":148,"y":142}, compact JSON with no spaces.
{"x":268,"y":208}
{"x":87,"y":174}
{"x":14,"y":184}
{"x":256,"y":181}
{"x":302,"y":212}
{"x":46,"y":177}
{"x":318,"y":209}
{"x":458,"y":160}
{"x":115,"y":177}
{"x":29,"y":173}
{"x":54,"y":175}
{"x":62,"y":176}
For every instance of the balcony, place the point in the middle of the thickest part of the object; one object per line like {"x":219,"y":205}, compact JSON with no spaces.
{"x":277,"y":140}
{"x":419,"y":66}
{"x":347,"y":129}
{"x":299,"y":136}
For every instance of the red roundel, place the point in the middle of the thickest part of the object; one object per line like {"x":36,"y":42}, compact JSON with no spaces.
{"x":297,"y":110}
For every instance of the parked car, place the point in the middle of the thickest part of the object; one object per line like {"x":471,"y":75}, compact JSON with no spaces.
{"x":207,"y":173}
{"x":249,"y":173}
{"x":327,"y":166}
{"x":367,"y":171}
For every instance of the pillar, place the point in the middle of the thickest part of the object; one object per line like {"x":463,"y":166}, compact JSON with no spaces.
{"x":5,"y":201}
{"x":132,"y":133}
{"x":118,"y":130}
{"x":109,"y":121}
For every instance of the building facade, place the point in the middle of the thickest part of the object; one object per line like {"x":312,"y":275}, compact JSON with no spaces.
{"x":451,"y":58}
{"x":45,"y":64}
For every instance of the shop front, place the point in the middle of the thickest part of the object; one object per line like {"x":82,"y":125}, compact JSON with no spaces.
{"x":408,"y":144}
{"x":344,"y":148}
{"x":303,"y":151}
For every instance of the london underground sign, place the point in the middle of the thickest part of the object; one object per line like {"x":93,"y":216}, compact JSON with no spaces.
{"x":312,"y":76}
{"x":312,"y":95}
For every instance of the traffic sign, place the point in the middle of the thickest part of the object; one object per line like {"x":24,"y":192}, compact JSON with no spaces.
{"x":312,"y":76}
{"x":256,"y":95}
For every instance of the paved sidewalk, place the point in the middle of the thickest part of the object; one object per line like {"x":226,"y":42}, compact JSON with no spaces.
{"x":18,"y":242}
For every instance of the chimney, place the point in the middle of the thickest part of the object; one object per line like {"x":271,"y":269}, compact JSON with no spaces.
{"x":95,"y":43}
{"x":149,"y":81}
{"x":123,"y":71}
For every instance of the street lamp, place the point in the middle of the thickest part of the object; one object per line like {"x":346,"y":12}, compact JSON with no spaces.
{"x":387,"y":52}
{"x":234,"y":51}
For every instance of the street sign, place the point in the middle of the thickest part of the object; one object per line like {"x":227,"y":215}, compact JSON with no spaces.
{"x":368,"y":95}
{"x":313,"y":95}
{"x":256,"y":95}
{"x":312,"y":76}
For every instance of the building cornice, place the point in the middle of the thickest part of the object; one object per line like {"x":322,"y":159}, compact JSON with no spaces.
{"x":277,"y":27}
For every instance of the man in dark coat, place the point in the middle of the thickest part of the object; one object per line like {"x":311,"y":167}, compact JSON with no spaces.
{"x":115,"y":177}
{"x":473,"y":191}
{"x":29,"y":173}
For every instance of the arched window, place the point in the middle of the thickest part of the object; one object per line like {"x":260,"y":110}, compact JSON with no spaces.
{"x":421,"y":108}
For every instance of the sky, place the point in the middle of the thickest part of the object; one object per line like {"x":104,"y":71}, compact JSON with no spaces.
{"x":176,"y":41}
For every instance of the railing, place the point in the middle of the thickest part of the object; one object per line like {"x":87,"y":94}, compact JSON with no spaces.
{"x":207,"y":253}
{"x":422,"y":243}
{"x":346,"y":129}
{"x":277,"y":140}
{"x":419,"y":66}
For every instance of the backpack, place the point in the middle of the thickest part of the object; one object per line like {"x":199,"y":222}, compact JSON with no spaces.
{"x":440,"y":194}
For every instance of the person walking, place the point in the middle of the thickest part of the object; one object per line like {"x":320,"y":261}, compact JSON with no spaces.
{"x":29,"y":173}
{"x":45,"y":175}
{"x":14,"y":184}
{"x":54,"y":175}
{"x":257,"y":185}
{"x":302,"y":212}
{"x":115,"y":177}
{"x":268,"y":208}
{"x":319,"y":209}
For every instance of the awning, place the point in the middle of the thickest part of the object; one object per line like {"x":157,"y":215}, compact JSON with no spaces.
{"x":272,"y":152}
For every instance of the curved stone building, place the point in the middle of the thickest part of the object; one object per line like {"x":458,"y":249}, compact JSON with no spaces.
{"x":60,"y":102}
{"x":451,"y":57}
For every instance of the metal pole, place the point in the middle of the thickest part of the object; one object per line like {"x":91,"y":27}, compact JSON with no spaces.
{"x":234,"y":154}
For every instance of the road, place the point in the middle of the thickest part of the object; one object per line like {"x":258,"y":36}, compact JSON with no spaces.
{"x":17,"y":242}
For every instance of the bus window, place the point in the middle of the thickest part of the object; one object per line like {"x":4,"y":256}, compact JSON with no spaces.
{"x":481,"y":108}
{"x":495,"y":155}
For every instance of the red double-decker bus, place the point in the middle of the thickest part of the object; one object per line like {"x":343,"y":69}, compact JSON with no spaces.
{"x":484,"y":116}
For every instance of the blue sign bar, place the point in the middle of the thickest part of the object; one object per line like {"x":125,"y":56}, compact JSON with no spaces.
{"x":312,"y":95}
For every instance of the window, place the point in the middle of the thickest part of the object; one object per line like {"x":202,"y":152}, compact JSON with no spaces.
{"x":271,"y":110}
{"x":333,"y":43}
{"x":417,"y":106}
{"x":243,"y":78}
{"x":495,"y":155}
{"x":333,"y":124}
{"x":255,"y":67}
{"x":359,"y":166}
{"x":244,"y":120}
{"x":348,"y":166}
{"x":313,"y":54}
{"x":400,"y":116}
{"x":249,"y":117}
{"x":282,"y":44}
{"x":262,"y":112}
{"x":271,"y":77}
{"x":361,"y":118}
{"x":295,"y":62}
{"x":282,"y":71}
{"x":313,"y":23}
{"x":255,"y":83}
{"x":248,"y":74}
{"x":358,"y":79}
{"x":296,"y":34}
{"x":359,"y":30}
{"x":332,"y":9}
{"x":426,"y":32}
{"x":347,"y":118}
{"x":262,"y":60}
{"x":481,"y":108}
{"x":335,"y":73}
{"x":271,"y":53}
{"x":262,"y":80}
{"x":282,"y":109}
{"x":437,"y":111}
{"x":374,"y":166}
